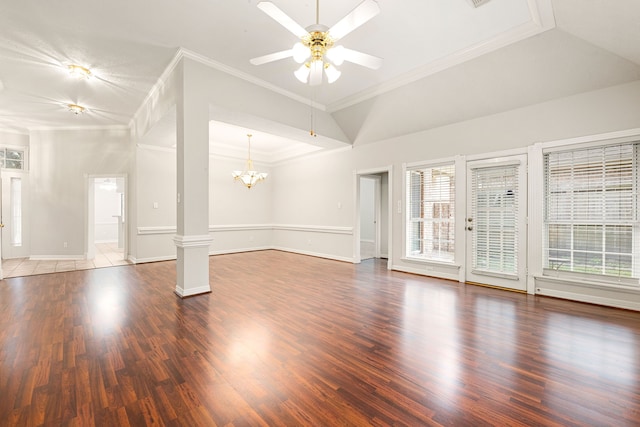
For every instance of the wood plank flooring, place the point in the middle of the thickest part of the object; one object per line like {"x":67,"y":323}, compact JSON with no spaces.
{"x":291,"y":340}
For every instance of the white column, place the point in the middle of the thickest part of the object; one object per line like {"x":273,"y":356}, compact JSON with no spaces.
{"x":192,"y":239}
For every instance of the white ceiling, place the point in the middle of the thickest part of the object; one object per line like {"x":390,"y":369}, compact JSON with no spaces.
{"x":128,"y":44}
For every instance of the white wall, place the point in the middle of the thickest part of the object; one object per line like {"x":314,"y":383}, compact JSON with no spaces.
{"x":239,"y":219}
{"x":313,"y":205}
{"x":60,"y":162}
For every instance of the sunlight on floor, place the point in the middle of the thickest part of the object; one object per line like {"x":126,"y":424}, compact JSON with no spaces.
{"x":107,"y":255}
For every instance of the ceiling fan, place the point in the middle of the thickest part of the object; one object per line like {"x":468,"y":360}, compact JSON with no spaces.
{"x":317,"y":50}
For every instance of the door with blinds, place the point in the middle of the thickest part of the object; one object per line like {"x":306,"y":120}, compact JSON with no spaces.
{"x":496,"y":222}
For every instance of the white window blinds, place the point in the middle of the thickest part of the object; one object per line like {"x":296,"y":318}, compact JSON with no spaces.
{"x":591,"y":203}
{"x":494,"y":207}
{"x":430,"y":223}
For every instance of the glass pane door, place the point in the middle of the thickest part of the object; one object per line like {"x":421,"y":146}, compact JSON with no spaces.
{"x":496,"y":222}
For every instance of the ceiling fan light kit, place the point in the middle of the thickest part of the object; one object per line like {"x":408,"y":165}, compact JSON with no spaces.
{"x":317,"y":50}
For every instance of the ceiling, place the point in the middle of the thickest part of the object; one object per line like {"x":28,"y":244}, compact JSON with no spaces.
{"x":128,"y":44}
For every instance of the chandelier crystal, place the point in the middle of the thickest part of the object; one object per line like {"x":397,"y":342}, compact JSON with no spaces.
{"x":249,"y":177}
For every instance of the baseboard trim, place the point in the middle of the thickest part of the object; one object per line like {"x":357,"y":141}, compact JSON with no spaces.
{"x":241,"y":250}
{"x":315,"y":254}
{"x":152,"y":259}
{"x":57,"y":257}
{"x":590,"y":299}
{"x":254,"y":249}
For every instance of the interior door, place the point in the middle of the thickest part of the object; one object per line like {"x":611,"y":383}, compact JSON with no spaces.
{"x":496,"y":222}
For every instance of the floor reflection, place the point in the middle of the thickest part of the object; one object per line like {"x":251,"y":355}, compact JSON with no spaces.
{"x":601,"y":348}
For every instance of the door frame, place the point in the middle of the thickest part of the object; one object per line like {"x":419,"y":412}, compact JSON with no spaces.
{"x":356,"y":229}
{"x":89,"y":217}
{"x":497,"y":159}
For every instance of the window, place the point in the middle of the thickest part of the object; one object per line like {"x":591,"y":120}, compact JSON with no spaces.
{"x":591,"y":203}
{"x":430,"y":213}
{"x":11,"y":158}
{"x":16,"y":211}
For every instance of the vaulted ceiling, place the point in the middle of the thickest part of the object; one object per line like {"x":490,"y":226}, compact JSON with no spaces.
{"x":444,"y":61}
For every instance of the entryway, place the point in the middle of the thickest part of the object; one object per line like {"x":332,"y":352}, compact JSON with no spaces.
{"x":106,"y":223}
{"x":373,"y":214}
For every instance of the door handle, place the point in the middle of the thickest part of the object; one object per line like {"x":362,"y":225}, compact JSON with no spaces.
{"x":469,"y":228}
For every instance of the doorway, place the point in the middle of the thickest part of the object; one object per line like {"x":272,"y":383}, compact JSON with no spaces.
{"x":106,"y":232}
{"x":372,"y":234}
{"x":14,"y":196}
{"x":369,"y":215}
{"x":496,"y":222}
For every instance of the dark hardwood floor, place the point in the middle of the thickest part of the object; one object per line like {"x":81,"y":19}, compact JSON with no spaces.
{"x":291,"y":340}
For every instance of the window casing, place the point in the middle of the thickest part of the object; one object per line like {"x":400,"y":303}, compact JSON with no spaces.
{"x":590,"y":217}
{"x":430,"y":221}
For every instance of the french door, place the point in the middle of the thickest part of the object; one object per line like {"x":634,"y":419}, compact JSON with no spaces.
{"x":496,"y":222}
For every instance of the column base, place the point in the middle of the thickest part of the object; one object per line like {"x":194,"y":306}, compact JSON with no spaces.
{"x":192,"y":265}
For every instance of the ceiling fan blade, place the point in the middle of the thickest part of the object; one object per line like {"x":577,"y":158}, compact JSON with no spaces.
{"x":363,"y":59}
{"x":272,"y":57}
{"x":358,"y":16}
{"x":282,"y":18}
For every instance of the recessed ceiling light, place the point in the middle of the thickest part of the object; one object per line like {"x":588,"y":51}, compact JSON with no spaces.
{"x":79,"y":72}
{"x":76,"y":109}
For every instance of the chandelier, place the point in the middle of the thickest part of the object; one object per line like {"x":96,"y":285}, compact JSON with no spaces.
{"x":249,"y":177}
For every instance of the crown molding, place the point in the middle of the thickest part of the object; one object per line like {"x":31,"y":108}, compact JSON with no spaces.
{"x":94,"y":127}
{"x":15,"y":131}
{"x":542,"y":19}
{"x":185,"y":53}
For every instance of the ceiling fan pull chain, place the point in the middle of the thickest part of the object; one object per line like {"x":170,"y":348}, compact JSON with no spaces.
{"x":312,"y":132}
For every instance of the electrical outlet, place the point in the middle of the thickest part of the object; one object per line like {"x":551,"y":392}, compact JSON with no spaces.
{"x":64,"y":245}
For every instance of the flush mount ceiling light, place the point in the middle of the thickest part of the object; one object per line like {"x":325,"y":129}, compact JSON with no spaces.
{"x":76,"y":109}
{"x":317,"y":50}
{"x":249,"y":177}
{"x":79,"y":72}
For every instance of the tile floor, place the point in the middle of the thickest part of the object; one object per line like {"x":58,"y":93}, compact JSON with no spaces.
{"x":107,"y":255}
{"x":367,"y":250}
